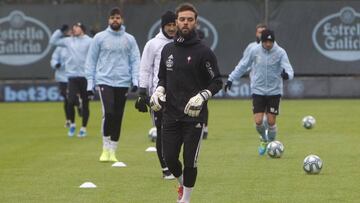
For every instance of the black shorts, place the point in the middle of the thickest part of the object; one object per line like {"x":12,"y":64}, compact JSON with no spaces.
{"x":269,"y":104}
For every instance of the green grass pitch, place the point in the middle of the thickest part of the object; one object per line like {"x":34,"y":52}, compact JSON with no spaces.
{"x":39,"y":163}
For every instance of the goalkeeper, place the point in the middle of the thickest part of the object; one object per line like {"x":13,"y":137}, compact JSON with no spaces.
{"x":188,"y":77}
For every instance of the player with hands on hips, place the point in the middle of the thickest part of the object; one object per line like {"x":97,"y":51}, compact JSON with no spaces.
{"x":77,"y":46}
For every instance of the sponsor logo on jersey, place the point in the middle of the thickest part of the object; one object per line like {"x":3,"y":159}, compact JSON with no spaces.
{"x":170,"y":62}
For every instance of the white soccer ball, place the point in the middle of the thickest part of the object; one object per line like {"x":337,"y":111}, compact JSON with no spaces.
{"x":312,"y":164}
{"x":275,"y":149}
{"x":152,"y":134}
{"x":308,"y":122}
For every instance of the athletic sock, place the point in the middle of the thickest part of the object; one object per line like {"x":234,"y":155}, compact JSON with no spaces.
{"x":186,"y":194}
{"x":106,"y":142}
{"x":261,"y":130}
{"x":180,"y":180}
{"x":272,"y":132}
{"x":113,"y":145}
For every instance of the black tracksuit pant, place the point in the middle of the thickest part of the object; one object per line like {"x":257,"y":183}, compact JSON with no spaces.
{"x":159,"y":150}
{"x":186,"y":133}
{"x":113,"y":101}
{"x":62,"y":90}
{"x":77,"y":88}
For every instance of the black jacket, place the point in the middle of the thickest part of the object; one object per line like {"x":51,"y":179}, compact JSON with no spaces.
{"x":187,"y":66}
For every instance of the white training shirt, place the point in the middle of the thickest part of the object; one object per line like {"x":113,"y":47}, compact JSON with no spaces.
{"x":150,"y":61}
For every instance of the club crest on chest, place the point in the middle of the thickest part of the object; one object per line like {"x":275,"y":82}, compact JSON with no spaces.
{"x":170,"y":62}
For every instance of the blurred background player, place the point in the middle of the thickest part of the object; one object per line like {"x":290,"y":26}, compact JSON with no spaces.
{"x":269,"y":66}
{"x":77,"y":47}
{"x":258,"y":30}
{"x":113,"y":67}
{"x":148,"y":78}
{"x":58,"y":60}
{"x":188,"y":77}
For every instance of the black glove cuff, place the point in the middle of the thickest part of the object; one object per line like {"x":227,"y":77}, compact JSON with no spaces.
{"x":285,"y":76}
{"x":142,"y":92}
{"x":64,"y":28}
{"x":205,"y":95}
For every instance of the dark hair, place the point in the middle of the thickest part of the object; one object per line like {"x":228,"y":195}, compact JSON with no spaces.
{"x":261,"y":25}
{"x":115,"y":11}
{"x":186,"y":7}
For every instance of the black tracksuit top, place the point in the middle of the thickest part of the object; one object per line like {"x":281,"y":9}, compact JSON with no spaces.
{"x":187,"y":66}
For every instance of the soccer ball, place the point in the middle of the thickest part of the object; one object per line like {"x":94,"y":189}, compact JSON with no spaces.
{"x":312,"y":164}
{"x":308,"y":122}
{"x":275,"y":149}
{"x":152,"y":134}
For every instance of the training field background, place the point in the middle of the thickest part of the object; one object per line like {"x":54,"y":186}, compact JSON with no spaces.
{"x":39,"y":163}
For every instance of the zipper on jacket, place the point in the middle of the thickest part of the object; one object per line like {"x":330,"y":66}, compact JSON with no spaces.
{"x":266,"y":72}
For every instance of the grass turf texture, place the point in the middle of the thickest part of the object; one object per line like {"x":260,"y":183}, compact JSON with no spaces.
{"x":39,"y":163}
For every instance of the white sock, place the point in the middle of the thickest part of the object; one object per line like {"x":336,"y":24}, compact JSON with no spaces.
{"x":72,"y":125}
{"x":186,"y":194}
{"x":83,"y":129}
{"x":106,"y":142}
{"x":180,"y":180}
{"x":113,"y":145}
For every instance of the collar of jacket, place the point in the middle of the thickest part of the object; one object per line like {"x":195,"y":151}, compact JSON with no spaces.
{"x":160,"y":35}
{"x":120,"y":32}
{"x":165,"y":34}
{"x":187,"y":40}
{"x":79,"y":37}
